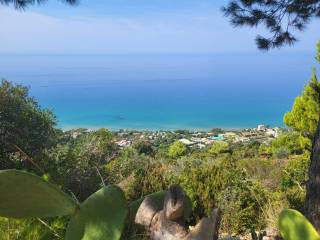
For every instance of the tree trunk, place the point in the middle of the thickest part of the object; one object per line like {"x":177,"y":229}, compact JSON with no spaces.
{"x":313,"y":185}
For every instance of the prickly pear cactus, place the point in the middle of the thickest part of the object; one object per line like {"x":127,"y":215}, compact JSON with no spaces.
{"x":101,"y":217}
{"x":294,"y":226}
{"x":24,"y":195}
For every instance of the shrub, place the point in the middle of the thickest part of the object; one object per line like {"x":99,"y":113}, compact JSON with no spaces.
{"x":221,"y":183}
{"x":32,"y":229}
{"x":219,"y":147}
{"x":143,"y":147}
{"x":177,"y":149}
{"x":281,"y":152}
{"x":290,"y":142}
{"x":148,"y":179}
{"x":293,"y":180}
{"x":243,"y":202}
{"x":266,"y":171}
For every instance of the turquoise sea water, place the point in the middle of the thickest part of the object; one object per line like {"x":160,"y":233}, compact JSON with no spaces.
{"x":163,"y":91}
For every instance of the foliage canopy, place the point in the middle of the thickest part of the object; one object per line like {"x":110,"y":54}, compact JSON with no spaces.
{"x":23,"y":124}
{"x":280,"y":17}
{"x":304,"y":115}
{"x":21,"y":4}
{"x":177,"y":149}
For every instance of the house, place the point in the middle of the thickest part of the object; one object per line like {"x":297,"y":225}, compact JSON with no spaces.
{"x":273,"y":132}
{"x":261,"y":127}
{"x":201,"y":146}
{"x":229,"y":134}
{"x":123,"y":143}
{"x":186,"y":141}
{"x":239,"y":139}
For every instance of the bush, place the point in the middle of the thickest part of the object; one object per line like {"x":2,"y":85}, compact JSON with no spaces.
{"x":219,"y":147}
{"x":292,"y":142}
{"x":23,"y":125}
{"x":32,"y":229}
{"x":177,"y":149}
{"x":293,"y":181}
{"x":243,"y":201}
{"x":144,"y":147}
{"x":220,"y":183}
{"x":208,"y":183}
{"x":124,"y":165}
{"x":74,"y":165}
{"x":265,"y":171}
{"x":281,"y":152}
{"x":202,"y":184}
{"x":296,"y":172}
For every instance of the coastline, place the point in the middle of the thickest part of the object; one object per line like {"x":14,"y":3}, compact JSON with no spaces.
{"x":196,"y":138}
{"x":163,"y":129}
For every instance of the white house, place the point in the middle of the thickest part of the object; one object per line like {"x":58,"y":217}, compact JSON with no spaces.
{"x":261,"y":127}
{"x":186,"y":141}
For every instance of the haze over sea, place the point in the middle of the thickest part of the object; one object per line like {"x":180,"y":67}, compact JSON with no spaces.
{"x":163,"y":91}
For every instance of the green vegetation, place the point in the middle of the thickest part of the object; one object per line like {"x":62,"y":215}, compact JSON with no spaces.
{"x":101,"y":217}
{"x":143,"y":147}
{"x":177,"y":149}
{"x":24,"y":126}
{"x":22,"y":4}
{"x":25,"y":195}
{"x":282,"y":19}
{"x":304,"y":115}
{"x":290,"y":143}
{"x":250,"y":186}
{"x":252,"y":180}
{"x":219,"y":147}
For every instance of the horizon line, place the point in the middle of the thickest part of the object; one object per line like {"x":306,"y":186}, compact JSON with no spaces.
{"x":258,"y":52}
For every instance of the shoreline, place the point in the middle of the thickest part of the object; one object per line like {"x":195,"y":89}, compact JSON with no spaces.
{"x":167,"y":129}
{"x":198,"y":138}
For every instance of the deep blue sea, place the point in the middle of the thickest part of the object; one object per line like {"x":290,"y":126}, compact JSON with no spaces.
{"x":163,"y":91}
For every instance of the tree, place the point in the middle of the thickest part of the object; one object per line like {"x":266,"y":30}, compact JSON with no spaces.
{"x":143,"y":147}
{"x":318,"y":51}
{"x":304,"y":115}
{"x":82,"y":160}
{"x":219,"y":147}
{"x":177,"y":149}
{"x":280,"y":17}
{"x":216,"y":131}
{"x":24,"y":126}
{"x":22,"y":4}
{"x":313,"y":184}
{"x":292,"y":141}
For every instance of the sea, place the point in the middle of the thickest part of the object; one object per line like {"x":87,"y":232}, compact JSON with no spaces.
{"x":163,"y":91}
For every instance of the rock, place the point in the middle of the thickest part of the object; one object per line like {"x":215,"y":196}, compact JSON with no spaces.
{"x":169,"y":223}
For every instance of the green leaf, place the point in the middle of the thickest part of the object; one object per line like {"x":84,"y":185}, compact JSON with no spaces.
{"x":101,"y":217}
{"x":24,"y":195}
{"x":294,"y":226}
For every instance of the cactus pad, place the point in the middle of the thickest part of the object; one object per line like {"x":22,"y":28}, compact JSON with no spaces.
{"x":101,"y":217}
{"x":294,"y":226}
{"x":24,"y":195}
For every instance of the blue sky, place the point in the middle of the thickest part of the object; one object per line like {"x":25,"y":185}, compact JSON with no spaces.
{"x":130,"y":26}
